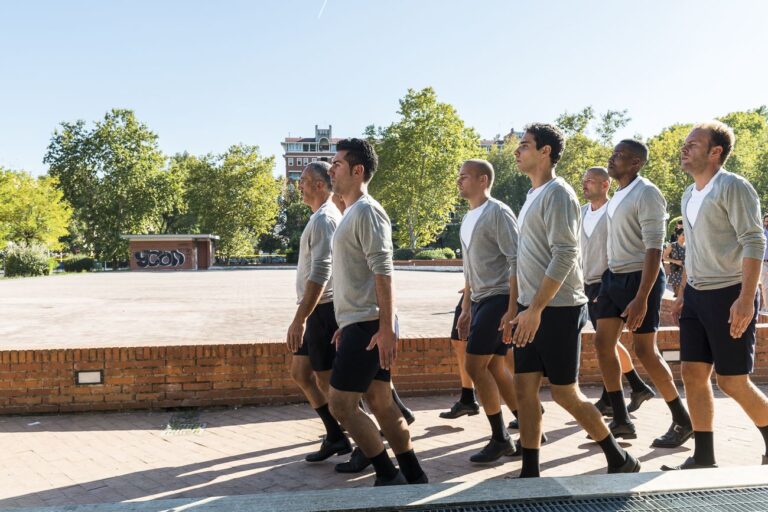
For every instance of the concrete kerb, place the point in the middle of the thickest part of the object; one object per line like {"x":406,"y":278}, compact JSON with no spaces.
{"x":445,"y":494}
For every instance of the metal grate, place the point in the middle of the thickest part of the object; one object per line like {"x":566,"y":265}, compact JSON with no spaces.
{"x":753,"y":499}
{"x":184,"y":423}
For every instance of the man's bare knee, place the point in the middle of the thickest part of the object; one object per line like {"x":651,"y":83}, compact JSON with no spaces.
{"x":564,"y":396}
{"x":342,"y":405}
{"x":301,"y":372}
{"x":695,"y":374}
{"x":732,"y":385}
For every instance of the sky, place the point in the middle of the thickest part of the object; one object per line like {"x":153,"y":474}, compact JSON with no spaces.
{"x":206,"y":75}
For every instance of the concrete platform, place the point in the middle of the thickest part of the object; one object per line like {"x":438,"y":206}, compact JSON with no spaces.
{"x":118,"y":309}
{"x":254,"y":456}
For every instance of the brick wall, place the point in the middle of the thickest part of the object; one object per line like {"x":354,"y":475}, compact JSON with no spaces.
{"x":37,"y":381}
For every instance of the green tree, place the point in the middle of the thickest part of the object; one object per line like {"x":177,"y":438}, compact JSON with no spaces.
{"x":419,"y":157}
{"x":663,"y":167}
{"x":510,"y":185}
{"x":234,"y":196}
{"x":32,"y":210}
{"x":112,"y":176}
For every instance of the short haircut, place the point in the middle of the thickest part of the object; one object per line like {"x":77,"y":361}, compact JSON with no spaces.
{"x":720,"y":134}
{"x":320,"y":170}
{"x":360,"y":152}
{"x":483,"y":168}
{"x":602,"y":172}
{"x":548,"y":135}
{"x":679,"y":231}
{"x":637,"y":147}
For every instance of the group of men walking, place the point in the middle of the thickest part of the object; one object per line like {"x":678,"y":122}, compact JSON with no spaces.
{"x":531,"y":282}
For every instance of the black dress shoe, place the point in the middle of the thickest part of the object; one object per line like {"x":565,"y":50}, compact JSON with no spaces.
{"x":460,"y":409}
{"x":623,"y":430}
{"x":675,"y":436}
{"x":327,"y":449}
{"x":605,"y":408}
{"x":356,"y":463}
{"x":519,"y":445}
{"x":637,"y":399}
{"x":398,"y":479}
{"x":493,"y":451}
{"x":690,"y":463}
{"x":514,"y":424}
{"x":631,"y":465}
{"x":421,"y":480}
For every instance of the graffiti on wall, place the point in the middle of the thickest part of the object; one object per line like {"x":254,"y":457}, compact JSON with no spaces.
{"x":154,"y":258}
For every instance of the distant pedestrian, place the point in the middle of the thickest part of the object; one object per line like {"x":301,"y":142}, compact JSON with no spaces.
{"x":674,"y":255}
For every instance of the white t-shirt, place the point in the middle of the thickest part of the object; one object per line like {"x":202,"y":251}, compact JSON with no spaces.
{"x":697,"y":197}
{"x":530,"y":198}
{"x":619,"y":196}
{"x":468,"y":224}
{"x":592,"y":218}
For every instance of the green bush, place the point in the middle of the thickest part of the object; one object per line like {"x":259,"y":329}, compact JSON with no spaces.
{"x":404,"y":253}
{"x":291,"y":256}
{"x":27,"y":260}
{"x":448,"y":253}
{"x":429,"y":254}
{"x":78,"y":263}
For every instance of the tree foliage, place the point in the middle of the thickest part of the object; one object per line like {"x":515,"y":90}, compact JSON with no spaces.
{"x":419,"y":157}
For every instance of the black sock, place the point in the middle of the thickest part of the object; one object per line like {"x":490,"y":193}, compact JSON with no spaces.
{"x":620,"y":414}
{"x":409,"y":465}
{"x":399,"y":403}
{"x":530,"y":463}
{"x":764,"y":431}
{"x":614,"y":454}
{"x":497,"y":427}
{"x":332,"y":428}
{"x":604,"y":397}
{"x":383,"y":466}
{"x":679,"y":413}
{"x":635,"y":382}
{"x":704,"y":451}
{"x":467,"y":396}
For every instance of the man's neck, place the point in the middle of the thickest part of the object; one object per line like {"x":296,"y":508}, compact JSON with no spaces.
{"x":701,"y":179}
{"x":598,"y":203}
{"x":353,"y":195}
{"x":475,"y":202}
{"x":541,"y":175}
{"x":627,"y":180}
{"x":319,"y":202}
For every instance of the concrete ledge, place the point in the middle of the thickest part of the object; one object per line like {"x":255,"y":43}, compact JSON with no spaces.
{"x":407,"y":497}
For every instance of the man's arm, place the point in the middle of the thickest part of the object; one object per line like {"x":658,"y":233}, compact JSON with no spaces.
{"x":385,"y":338}
{"x":465,"y":317}
{"x":312,"y":294}
{"x":638,"y":307}
{"x":743,"y":309}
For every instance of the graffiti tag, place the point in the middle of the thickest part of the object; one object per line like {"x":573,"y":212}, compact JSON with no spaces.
{"x":154,"y":258}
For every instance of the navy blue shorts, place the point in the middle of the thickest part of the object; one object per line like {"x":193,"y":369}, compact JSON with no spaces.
{"x":456,"y":313}
{"x":485,"y":338}
{"x":592,"y":291}
{"x":618,"y":290}
{"x":705,"y":335}
{"x":556,"y":347}
{"x":354,"y":367}
{"x":321,"y":325}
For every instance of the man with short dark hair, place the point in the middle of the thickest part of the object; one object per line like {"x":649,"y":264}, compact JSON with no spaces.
{"x":551,"y":303}
{"x":489,"y":247}
{"x":366,"y":342}
{"x":632,"y":289}
{"x":718,"y":307}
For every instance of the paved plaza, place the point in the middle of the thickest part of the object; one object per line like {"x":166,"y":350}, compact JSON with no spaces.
{"x":160,"y":308}
{"x":113,"y":457}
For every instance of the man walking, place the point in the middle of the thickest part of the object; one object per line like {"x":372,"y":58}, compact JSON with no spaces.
{"x":632,"y":289}
{"x":718,"y":306}
{"x":310,"y":333}
{"x":489,"y":247}
{"x":364,"y":305}
{"x":550,"y":303}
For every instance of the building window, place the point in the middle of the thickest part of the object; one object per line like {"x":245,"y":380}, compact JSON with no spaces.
{"x":306,"y":161}
{"x":290,"y":161}
{"x":314,"y":159}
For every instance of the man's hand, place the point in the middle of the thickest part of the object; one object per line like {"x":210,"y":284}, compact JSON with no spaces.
{"x":336,"y":339}
{"x":677,"y":309}
{"x":527,"y":324}
{"x":295,"y":336}
{"x":635,"y":313}
{"x":506,"y":323}
{"x":386,"y":340}
{"x":462,"y":324}
{"x":742,"y":312}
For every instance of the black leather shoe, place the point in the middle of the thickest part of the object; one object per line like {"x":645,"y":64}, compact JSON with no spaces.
{"x":637,"y":399}
{"x":398,"y":479}
{"x":460,"y":409}
{"x":340,"y":447}
{"x":514,"y":424}
{"x":675,"y":436}
{"x":623,"y":430}
{"x":421,"y":480}
{"x":690,"y":463}
{"x":357,"y":462}
{"x":604,"y":408}
{"x":493,"y":451}
{"x":631,"y":465}
{"x":519,"y":445}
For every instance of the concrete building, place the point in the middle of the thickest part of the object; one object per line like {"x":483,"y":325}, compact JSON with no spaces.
{"x":300,"y":151}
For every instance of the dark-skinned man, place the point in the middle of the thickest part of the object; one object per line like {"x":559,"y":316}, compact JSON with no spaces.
{"x":632,"y":289}
{"x":551,"y":304}
{"x":363,"y":300}
{"x":718,"y":305}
